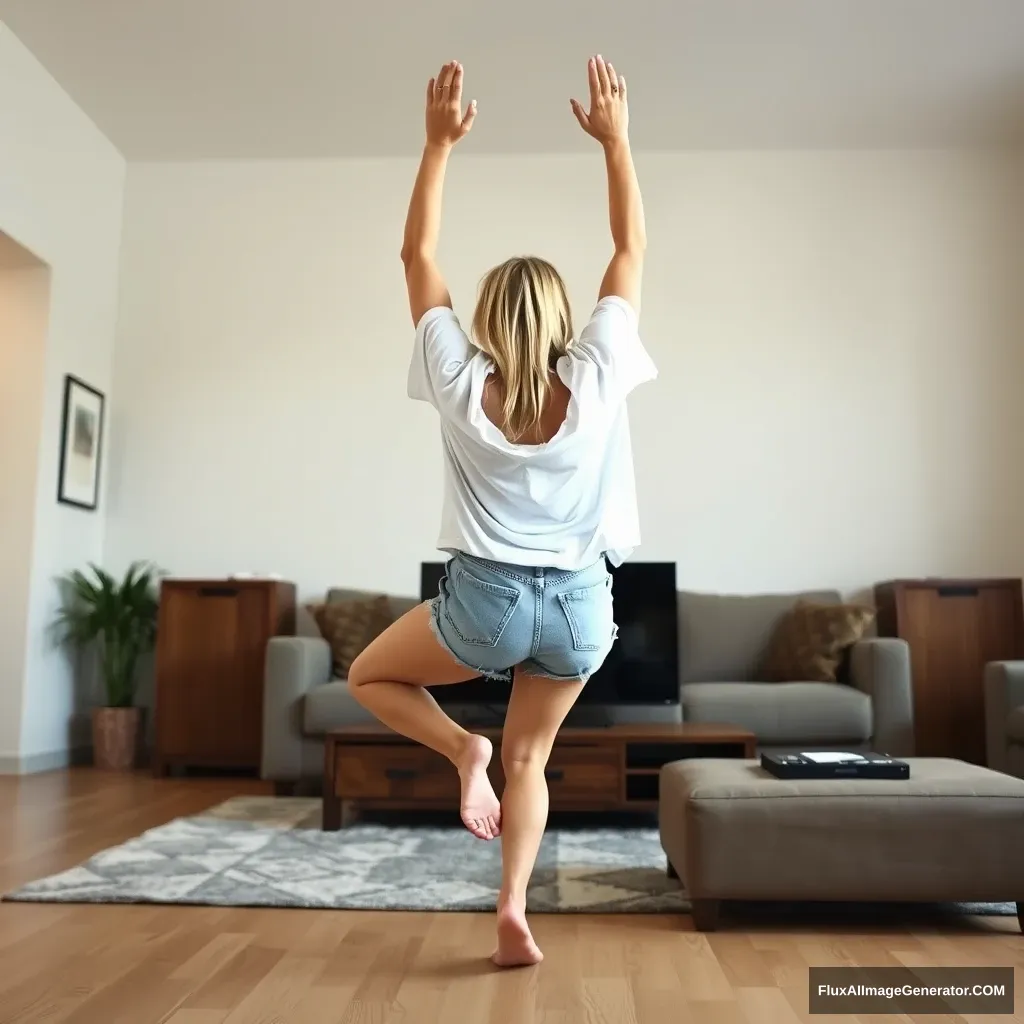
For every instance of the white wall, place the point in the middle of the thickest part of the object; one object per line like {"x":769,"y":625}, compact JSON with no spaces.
{"x":839,"y":336}
{"x":61,"y":188}
{"x":24,"y":310}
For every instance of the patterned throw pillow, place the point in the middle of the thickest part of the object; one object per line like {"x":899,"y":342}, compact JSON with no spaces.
{"x":809,"y":643}
{"x":350,"y":626}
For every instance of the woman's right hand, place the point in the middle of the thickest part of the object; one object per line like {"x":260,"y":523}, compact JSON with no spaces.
{"x":608,"y":117}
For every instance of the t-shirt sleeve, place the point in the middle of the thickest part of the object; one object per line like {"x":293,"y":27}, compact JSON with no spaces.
{"x":610,"y":352}
{"x":440,"y":354}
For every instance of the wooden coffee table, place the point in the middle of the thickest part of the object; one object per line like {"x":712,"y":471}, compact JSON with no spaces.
{"x":615,"y":768}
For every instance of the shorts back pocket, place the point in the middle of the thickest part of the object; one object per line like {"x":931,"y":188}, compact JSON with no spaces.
{"x":477,"y":610}
{"x":590,"y":614}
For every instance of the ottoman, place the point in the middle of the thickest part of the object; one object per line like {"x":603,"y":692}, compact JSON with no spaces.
{"x":952,"y":831}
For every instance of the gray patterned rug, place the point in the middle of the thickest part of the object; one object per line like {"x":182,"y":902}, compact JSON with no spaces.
{"x":270,"y":852}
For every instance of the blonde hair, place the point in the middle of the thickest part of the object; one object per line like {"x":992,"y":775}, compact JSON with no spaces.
{"x":523,"y":322}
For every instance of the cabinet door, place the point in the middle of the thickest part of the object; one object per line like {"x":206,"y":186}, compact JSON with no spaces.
{"x":953,"y":631}
{"x":211,"y":650}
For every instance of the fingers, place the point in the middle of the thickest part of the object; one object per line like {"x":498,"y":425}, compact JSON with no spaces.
{"x":457,"y":85}
{"x":445,"y":80}
{"x":430,"y":92}
{"x":595,"y":82}
{"x":602,"y":76}
{"x":467,"y":121}
{"x":613,"y":79}
{"x":581,"y":115}
{"x":622,"y":86}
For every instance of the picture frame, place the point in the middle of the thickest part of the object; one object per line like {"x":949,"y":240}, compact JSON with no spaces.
{"x":81,"y":444}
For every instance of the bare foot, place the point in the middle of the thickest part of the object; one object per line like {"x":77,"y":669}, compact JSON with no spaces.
{"x":480,"y":810}
{"x":516,"y":947}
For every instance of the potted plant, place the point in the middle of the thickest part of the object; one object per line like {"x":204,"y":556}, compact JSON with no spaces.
{"x":120,"y":618}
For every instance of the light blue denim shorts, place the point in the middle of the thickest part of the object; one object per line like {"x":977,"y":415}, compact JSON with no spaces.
{"x":491,"y":617}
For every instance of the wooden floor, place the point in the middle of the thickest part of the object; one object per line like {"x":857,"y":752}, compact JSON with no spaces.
{"x":189,"y":965}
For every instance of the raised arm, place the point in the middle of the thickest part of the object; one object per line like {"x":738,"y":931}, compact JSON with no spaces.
{"x":445,"y":124}
{"x":608,"y":122}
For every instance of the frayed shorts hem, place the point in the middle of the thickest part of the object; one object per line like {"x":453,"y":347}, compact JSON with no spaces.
{"x":539,"y":672}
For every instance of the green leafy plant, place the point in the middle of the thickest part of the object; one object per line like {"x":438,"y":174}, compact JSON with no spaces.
{"x":118,"y":616}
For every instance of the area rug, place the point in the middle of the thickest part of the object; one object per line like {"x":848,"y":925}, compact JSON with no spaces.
{"x":270,"y":852}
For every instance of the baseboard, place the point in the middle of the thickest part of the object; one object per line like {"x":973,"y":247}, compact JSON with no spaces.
{"x":45,"y":761}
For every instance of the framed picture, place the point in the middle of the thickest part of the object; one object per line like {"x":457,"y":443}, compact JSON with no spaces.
{"x":80,"y":444}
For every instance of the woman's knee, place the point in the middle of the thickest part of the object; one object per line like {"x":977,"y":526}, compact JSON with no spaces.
{"x":359,"y":673}
{"x":524,"y":756}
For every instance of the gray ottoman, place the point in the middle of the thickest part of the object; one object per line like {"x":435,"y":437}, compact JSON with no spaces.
{"x":952,"y":831}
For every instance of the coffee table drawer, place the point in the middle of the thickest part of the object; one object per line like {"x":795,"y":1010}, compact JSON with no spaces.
{"x":394,"y":773}
{"x":580,"y":775}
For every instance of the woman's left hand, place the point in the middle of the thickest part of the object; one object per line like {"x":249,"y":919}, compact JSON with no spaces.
{"x":446,"y":123}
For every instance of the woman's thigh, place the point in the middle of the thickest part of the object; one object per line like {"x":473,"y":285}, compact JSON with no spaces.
{"x":408,"y":652}
{"x":536,"y":711}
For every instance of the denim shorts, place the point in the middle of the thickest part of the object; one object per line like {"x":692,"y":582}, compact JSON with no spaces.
{"x":491,"y":617}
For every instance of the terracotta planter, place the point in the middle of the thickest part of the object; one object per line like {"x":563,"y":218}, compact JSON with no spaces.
{"x":115,"y":738}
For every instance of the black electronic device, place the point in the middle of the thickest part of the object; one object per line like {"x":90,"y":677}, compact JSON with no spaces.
{"x":834,"y":765}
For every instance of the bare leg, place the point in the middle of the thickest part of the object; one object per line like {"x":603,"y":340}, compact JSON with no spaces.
{"x":536,"y":711}
{"x":388,"y":680}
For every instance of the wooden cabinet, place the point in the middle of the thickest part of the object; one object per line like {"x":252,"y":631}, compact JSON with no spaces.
{"x":953,"y":627}
{"x":211,"y":649}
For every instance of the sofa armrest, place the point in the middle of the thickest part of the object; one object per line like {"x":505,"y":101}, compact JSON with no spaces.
{"x":1004,"y":691}
{"x":880,"y":667}
{"x":295,"y":665}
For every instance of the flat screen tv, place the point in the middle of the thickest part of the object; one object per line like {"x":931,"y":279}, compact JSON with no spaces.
{"x":643,"y":666}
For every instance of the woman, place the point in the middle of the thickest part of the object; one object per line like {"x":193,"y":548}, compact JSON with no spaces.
{"x":539,"y":493}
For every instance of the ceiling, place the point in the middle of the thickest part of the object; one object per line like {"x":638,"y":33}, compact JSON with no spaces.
{"x":188,"y":79}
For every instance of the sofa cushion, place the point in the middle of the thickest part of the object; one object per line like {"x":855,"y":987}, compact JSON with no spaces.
{"x":1015,"y":725}
{"x":723,"y":636}
{"x":811,"y":639}
{"x":330,"y":707}
{"x":783,"y":713}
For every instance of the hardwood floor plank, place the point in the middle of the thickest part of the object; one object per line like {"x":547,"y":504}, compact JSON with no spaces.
{"x":230,"y":983}
{"x":766,"y":1005}
{"x":609,"y":1001}
{"x":196,"y":1017}
{"x":278,"y":992}
{"x":212,"y":957}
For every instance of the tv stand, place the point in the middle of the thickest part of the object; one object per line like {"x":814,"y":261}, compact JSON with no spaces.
{"x":589,"y":716}
{"x":605,"y":768}
{"x":477,"y":717}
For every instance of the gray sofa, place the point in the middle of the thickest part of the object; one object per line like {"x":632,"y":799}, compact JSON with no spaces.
{"x":721,"y":638}
{"x":721,"y":641}
{"x":1004,"y":716}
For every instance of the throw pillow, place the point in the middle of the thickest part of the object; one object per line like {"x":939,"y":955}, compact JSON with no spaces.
{"x":811,"y":640}
{"x":350,"y":626}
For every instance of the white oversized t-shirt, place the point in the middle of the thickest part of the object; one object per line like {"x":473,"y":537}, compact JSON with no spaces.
{"x":561,"y":504}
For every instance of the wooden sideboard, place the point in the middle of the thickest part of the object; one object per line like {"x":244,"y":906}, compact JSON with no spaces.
{"x":954,"y":628}
{"x":211,"y":648}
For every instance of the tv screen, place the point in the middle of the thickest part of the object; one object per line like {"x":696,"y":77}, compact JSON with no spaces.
{"x":643,"y":666}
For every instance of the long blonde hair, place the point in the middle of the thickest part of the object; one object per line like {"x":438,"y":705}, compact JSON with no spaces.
{"x":523,"y":322}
